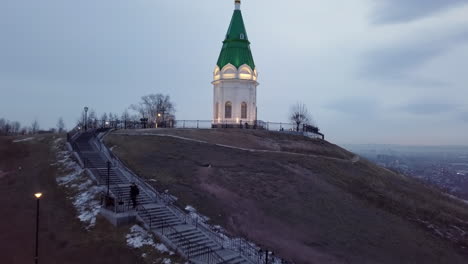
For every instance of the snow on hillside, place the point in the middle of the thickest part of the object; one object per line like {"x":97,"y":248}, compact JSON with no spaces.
{"x":23,"y":140}
{"x":84,"y":191}
{"x":139,"y":238}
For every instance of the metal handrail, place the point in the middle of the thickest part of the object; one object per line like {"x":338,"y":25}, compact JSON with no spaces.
{"x":212,"y":256}
{"x":118,"y":163}
{"x":140,"y":208}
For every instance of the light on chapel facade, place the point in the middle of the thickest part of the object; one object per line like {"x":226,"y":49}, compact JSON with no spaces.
{"x":235,"y":77}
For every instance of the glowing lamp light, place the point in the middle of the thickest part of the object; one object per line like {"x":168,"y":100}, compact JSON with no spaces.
{"x":38,"y":195}
{"x":159,"y":115}
{"x":107,"y":123}
{"x":229,"y":76}
{"x":245,"y":76}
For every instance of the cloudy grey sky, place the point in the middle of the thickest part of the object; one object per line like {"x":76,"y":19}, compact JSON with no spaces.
{"x":370,"y":71}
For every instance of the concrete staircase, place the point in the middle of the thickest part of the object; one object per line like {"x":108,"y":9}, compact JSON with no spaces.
{"x":82,"y":142}
{"x":122,"y":193}
{"x":94,"y":160}
{"x":158,"y":216}
{"x":231,"y":257}
{"x":194,"y":241}
{"x":114,"y":178}
{"x":185,"y":237}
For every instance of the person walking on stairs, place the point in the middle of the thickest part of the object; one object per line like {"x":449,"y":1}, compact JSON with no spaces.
{"x":134,"y":192}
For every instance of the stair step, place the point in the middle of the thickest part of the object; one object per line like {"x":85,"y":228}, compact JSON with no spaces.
{"x":183,"y":233}
{"x":199,"y":249}
{"x":193,"y":239}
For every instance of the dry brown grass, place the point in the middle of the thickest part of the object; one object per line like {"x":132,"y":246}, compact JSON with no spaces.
{"x":63,"y":238}
{"x":310,"y":209}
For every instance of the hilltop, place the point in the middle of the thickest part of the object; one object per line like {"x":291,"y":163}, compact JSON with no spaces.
{"x":306,"y":199}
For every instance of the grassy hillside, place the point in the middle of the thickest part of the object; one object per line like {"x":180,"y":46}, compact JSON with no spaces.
{"x":308,"y":200}
{"x":29,"y":166}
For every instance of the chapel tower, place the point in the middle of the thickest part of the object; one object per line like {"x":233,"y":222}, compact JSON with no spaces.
{"x":235,"y":77}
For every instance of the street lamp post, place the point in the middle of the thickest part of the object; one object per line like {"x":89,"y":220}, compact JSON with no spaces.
{"x":86,"y":118}
{"x":36,"y":256}
{"x":158,"y":120}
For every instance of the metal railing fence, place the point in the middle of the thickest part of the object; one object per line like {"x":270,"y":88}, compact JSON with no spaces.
{"x":312,"y":131}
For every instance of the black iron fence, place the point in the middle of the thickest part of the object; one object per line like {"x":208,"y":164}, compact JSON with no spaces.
{"x":292,"y":128}
{"x":114,"y":204}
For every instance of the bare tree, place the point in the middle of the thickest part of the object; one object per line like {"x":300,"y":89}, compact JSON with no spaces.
{"x":7,"y":128}
{"x":2,"y":125}
{"x":156,"y":107}
{"x":34,"y":126}
{"x":15,"y":127}
{"x":125,"y":118}
{"x":92,"y":119}
{"x":300,"y":115}
{"x":113,"y":119}
{"x":104,"y":119}
{"x":60,"y":125}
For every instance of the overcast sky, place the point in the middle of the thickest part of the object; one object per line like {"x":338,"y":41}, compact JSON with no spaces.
{"x":370,"y":71}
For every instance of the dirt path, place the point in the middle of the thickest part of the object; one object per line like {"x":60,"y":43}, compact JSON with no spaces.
{"x":353,"y":160}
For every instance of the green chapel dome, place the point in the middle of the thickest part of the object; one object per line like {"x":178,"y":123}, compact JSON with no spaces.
{"x":236,"y":46}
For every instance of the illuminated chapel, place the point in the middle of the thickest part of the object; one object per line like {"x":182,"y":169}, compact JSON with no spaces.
{"x":235,"y":77}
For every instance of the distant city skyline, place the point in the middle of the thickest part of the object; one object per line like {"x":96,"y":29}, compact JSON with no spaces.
{"x":370,"y":71}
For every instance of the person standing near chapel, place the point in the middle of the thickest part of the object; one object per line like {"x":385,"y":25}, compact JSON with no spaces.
{"x":134,"y":192}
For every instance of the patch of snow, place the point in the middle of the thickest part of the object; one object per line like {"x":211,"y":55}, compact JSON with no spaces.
{"x":58,"y":140}
{"x":139,"y":237}
{"x":85,"y":191}
{"x":190,"y":209}
{"x":161,"y":248}
{"x":196,"y":216}
{"x":23,"y":140}
{"x":87,"y":205}
{"x":166,"y":261}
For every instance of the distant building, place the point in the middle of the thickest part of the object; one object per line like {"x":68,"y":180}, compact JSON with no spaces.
{"x":235,"y":77}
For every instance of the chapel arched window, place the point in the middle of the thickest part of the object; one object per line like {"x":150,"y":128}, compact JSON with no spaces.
{"x":228,"y":110}
{"x":244,"y":110}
